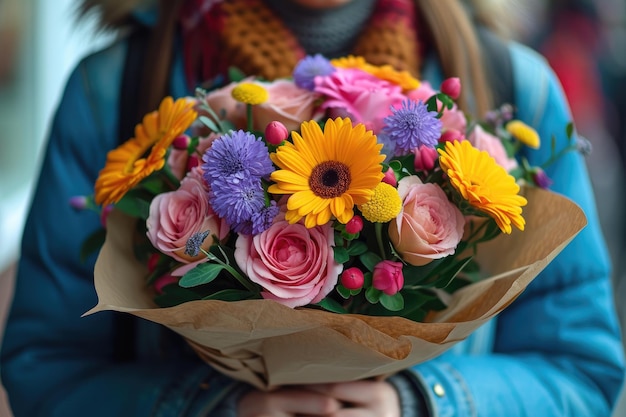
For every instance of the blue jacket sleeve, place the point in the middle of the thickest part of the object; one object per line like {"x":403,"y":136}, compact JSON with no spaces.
{"x":55,"y":363}
{"x":557,"y":348}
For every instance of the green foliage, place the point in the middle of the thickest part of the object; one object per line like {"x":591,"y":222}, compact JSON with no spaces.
{"x":202,"y":274}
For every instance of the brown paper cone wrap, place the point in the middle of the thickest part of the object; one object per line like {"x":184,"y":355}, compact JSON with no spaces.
{"x":268,"y":345}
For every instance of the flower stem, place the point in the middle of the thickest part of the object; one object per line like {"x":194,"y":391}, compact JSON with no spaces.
{"x":378,"y":228}
{"x":249,"y":116}
{"x":242,"y":280}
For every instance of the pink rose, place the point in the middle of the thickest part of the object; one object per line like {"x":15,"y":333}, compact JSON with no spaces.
{"x":294,"y":265}
{"x":429,"y":225}
{"x":485,"y":141}
{"x":177,"y":215}
{"x":388,"y":277}
{"x":225,"y":106}
{"x":361,"y":96}
{"x":287,"y":103}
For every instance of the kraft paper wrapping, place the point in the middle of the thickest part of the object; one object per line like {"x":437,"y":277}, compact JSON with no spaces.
{"x":268,"y":345}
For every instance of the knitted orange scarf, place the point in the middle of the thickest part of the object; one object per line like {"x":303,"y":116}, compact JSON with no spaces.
{"x":246,"y":34}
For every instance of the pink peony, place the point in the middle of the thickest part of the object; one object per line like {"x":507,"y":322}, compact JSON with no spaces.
{"x":287,"y":103}
{"x":429,"y":225}
{"x":177,"y":215}
{"x":361,"y":96}
{"x":294,"y":265}
{"x":388,"y":277}
{"x":487,"y":142}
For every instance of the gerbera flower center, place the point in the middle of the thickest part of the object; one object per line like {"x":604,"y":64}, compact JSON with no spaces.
{"x":330,"y":179}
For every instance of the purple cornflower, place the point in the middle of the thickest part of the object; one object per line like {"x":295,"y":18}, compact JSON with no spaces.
{"x":194,"y":243}
{"x":541,"y":178}
{"x":238,"y":155}
{"x":236,"y":200}
{"x":412,"y":125}
{"x":310,"y":67}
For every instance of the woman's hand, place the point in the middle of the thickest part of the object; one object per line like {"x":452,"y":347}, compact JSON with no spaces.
{"x":346,"y":399}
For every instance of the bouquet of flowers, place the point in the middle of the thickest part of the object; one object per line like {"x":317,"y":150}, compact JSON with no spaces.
{"x":350,"y":209}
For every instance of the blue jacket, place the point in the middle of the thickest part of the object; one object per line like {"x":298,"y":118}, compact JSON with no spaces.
{"x":555,"y":352}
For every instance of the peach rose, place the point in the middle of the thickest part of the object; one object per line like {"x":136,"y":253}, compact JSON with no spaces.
{"x":429,"y":225}
{"x":177,"y":215}
{"x":487,"y":142}
{"x":287,"y":103}
{"x":294,"y":265}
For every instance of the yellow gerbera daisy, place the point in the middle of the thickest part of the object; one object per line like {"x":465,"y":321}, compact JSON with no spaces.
{"x":483,"y":183}
{"x":327,"y":172}
{"x":524,"y":133}
{"x":386,"y":72}
{"x":127,"y":165}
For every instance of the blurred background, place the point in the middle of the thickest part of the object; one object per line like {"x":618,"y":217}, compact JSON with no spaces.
{"x":40,"y":42}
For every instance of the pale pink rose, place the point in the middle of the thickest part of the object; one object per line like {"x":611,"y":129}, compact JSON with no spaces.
{"x":452,"y":118}
{"x":387,"y":277}
{"x":429,"y":225}
{"x":177,"y":215}
{"x":294,"y":265}
{"x":287,"y":103}
{"x":361,"y":96}
{"x":225,"y":106}
{"x":485,"y":141}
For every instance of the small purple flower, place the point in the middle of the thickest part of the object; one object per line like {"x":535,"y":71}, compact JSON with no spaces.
{"x":192,"y":247}
{"x":310,"y":67}
{"x":79,"y":202}
{"x":237,"y":154}
{"x":541,"y":178}
{"x":412,"y":125}
{"x":237,"y":201}
{"x":583,"y":145}
{"x":262,"y":220}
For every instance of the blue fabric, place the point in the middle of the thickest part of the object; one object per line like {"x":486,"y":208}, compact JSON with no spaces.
{"x":554,"y":352}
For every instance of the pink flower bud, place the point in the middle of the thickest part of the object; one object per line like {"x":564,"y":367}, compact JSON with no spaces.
{"x":390,"y":177}
{"x":192,"y":162}
{"x":450,"y":135}
{"x":153,"y":261}
{"x":79,"y":202}
{"x":163,"y":281}
{"x":425,"y":158}
{"x":352,"y":278}
{"x":355,"y":225}
{"x":276,"y":133}
{"x":388,"y":277}
{"x":452,"y":87}
{"x":181,"y":142}
{"x":104,"y":214}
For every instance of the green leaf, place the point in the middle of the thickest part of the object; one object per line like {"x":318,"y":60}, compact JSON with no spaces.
{"x":357,"y":248}
{"x":230,"y":295}
{"x":134,"y":206}
{"x":92,"y":244}
{"x":392,"y":302}
{"x":370,"y":260}
{"x":341,"y":255}
{"x":201,"y":274}
{"x":373,"y":295}
{"x":209,"y":123}
{"x":569,"y":129}
{"x":343,"y":291}
{"x":174,"y":295}
{"x":235,"y":74}
{"x":332,"y":305}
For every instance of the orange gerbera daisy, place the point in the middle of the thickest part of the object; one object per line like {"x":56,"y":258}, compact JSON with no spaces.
{"x":127,"y":165}
{"x":483,"y":183}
